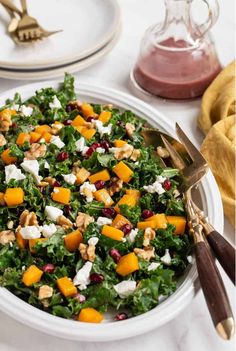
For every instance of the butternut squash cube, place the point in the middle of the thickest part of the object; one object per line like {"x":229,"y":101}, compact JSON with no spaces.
{"x":123,"y":172}
{"x":7,"y":158}
{"x":179,"y":222}
{"x":119,"y":143}
{"x":133,"y":192}
{"x":32,"y":275}
{"x":88,"y":133}
{"x":43,"y":129}
{"x":2,"y":201}
{"x":112,"y":232}
{"x":127,"y":264}
{"x":66,"y":287}
{"x":126,"y":200}
{"x":14,"y":196}
{"x":82,"y":176}
{"x":87,"y":110}
{"x":102,"y":195}
{"x":34,"y":137}
{"x":119,"y":221}
{"x":90,"y":315}
{"x":160,"y":220}
{"x":47,"y":137}
{"x":22,"y":138}
{"x":78,"y":121}
{"x":22,"y":243}
{"x":105,"y":116}
{"x":33,"y":242}
{"x":80,"y":128}
{"x":72,"y":240}
{"x":102,"y":175}
{"x":61,"y":195}
{"x":146,"y":224}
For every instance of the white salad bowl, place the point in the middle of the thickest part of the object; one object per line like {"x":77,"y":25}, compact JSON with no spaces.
{"x":188,"y":284}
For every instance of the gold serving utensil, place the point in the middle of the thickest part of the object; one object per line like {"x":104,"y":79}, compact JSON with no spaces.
{"x":212,"y":285}
{"x":10,"y":6}
{"x":28,"y":27}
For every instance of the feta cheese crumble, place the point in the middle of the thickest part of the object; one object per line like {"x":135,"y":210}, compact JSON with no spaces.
{"x":53,"y":213}
{"x":12,"y":172}
{"x":80,"y":144}
{"x":104,"y":221}
{"x":69,"y":178}
{"x":166,"y":259}
{"x":132,"y":235}
{"x":153,"y":266}
{"x":156,"y":187}
{"x":26,"y":110}
{"x":30,"y":232}
{"x":190,"y":259}
{"x":125,"y":288}
{"x":82,"y":276}
{"x":87,"y":190}
{"x":46,"y":165}
{"x":48,"y":230}
{"x":32,"y":167}
{"x":55,"y":103}
{"x":101,"y":129}
{"x":93,"y":241}
{"x":100,"y":150}
{"x":56,"y":140}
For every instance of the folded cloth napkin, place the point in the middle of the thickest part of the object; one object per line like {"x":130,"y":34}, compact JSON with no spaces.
{"x":217,"y":120}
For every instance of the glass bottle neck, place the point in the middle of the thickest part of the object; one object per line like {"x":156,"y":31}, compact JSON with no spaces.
{"x":178,"y":11}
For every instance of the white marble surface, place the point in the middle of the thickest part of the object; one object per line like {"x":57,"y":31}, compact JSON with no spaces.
{"x":192,"y":330}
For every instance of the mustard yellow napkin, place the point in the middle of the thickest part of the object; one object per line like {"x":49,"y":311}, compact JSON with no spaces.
{"x":217,"y":120}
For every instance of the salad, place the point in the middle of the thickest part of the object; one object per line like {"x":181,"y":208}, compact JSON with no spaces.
{"x":90,"y":220}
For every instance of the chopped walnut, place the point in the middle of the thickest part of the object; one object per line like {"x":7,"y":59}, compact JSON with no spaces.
{"x":147,"y":253}
{"x":162,"y":152}
{"x":116,"y":186}
{"x":64,"y":222}
{"x":5,"y":120}
{"x":7,"y":236}
{"x":83,"y":220}
{"x":135,"y":155}
{"x":87,"y":252}
{"x":149,"y":235}
{"x":124,"y":152}
{"x":50,"y":180}
{"x":45,"y":292}
{"x":28,"y":218}
{"x":76,"y":167}
{"x":36,"y":150}
{"x":130,"y":128}
{"x":55,"y":128}
{"x":75,"y":105}
{"x":108,"y":106}
{"x":2,"y":140}
{"x":121,"y":222}
{"x":43,"y":184}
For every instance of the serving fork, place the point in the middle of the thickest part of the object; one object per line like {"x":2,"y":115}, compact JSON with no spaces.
{"x":193,"y":167}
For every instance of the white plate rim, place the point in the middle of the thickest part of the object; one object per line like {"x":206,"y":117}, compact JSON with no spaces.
{"x":160,"y":315}
{"x":73,"y":58}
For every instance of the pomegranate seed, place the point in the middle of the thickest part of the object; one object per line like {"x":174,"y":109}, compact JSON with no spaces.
{"x":48,"y":268}
{"x":147,"y":214}
{"x":90,"y":118}
{"x":99,"y":184}
{"x":81,"y":298}
{"x":62,"y":156}
{"x":105,"y":145}
{"x":96,"y":278}
{"x":67,"y":122}
{"x":167,"y":184}
{"x":121,"y":316}
{"x":95,"y":145}
{"x":71,"y":107}
{"x":67,"y":209}
{"x":56,"y":184}
{"x":14,"y":125}
{"x":109,"y":212}
{"x":114,"y":253}
{"x":41,"y":189}
{"x":92,"y":148}
{"x":126,"y":229}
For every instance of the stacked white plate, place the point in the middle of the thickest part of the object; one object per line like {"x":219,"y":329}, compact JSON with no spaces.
{"x":91,"y":29}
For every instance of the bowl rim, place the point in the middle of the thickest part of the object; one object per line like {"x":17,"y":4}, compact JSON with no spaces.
{"x":68,"y":329}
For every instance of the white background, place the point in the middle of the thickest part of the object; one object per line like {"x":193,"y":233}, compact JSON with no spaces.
{"x":193,"y":329}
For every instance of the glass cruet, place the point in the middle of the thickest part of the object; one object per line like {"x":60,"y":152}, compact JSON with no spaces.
{"x":178,"y":59}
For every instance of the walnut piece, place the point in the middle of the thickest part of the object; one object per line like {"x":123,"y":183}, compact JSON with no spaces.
{"x":7,"y":236}
{"x":135,"y":155}
{"x":64,"y":222}
{"x":116,"y":186}
{"x":28,"y":218}
{"x":83,"y":220}
{"x":149,"y":234}
{"x":124,"y":152}
{"x":55,"y":128}
{"x":36,"y":150}
{"x":162,"y":152}
{"x":2,"y":140}
{"x":45,"y":291}
{"x":50,"y":180}
{"x":147,"y":253}
{"x":130,"y":128}
{"x":87,"y":252}
{"x":5,"y":120}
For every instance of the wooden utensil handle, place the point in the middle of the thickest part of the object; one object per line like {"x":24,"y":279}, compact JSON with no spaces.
{"x":213,"y":287}
{"x":224,"y":252}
